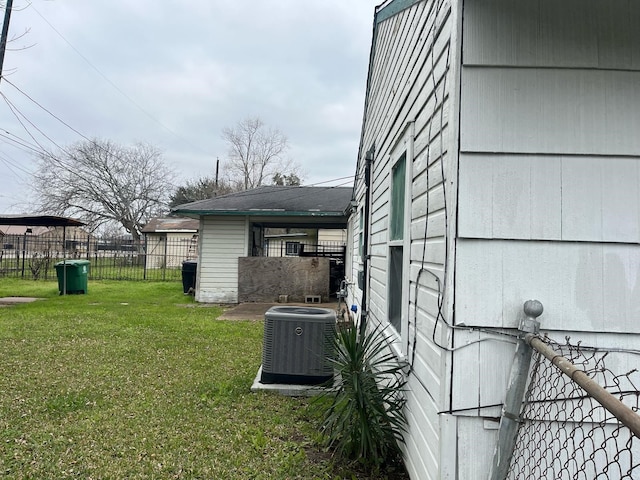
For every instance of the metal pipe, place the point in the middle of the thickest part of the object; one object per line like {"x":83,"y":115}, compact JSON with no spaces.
{"x":510,"y":418}
{"x":364,"y":311}
{"x":24,"y":251}
{"x":606,"y":399}
{"x":64,"y":260}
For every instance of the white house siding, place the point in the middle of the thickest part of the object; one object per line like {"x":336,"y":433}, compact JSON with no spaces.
{"x":333,"y":235}
{"x":222,"y":241}
{"x":409,"y":107}
{"x":550,"y":162}
{"x":548,"y":189}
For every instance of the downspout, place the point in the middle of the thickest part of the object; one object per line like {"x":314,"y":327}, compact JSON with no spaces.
{"x":365,"y":244}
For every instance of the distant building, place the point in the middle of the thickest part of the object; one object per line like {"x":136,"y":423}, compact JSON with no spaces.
{"x":170,"y":241}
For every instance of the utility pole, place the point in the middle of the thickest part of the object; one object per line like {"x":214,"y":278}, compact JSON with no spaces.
{"x":5,"y":32}
{"x":217,"y":170}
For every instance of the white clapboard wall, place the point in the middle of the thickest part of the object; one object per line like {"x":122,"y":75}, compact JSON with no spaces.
{"x":408,"y":107}
{"x":222,"y":241}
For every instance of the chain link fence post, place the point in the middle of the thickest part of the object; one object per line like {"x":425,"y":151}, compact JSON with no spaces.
{"x":510,"y":418}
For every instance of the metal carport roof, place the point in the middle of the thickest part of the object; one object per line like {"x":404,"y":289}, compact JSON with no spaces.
{"x":40,"y":221}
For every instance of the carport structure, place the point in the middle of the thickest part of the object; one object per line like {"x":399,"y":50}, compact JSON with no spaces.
{"x":46,"y":221}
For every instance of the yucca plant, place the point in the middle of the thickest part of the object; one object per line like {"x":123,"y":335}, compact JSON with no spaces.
{"x":363,"y":411}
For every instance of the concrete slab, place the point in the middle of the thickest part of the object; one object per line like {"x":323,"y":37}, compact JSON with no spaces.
{"x":16,"y":300}
{"x":286,"y":390}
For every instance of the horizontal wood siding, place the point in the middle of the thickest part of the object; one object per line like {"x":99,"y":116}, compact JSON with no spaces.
{"x":547,"y":110}
{"x":410,"y":91}
{"x":548,"y":199}
{"x":546,"y":33}
{"x":222,"y":241}
{"x":332,"y":235}
{"x":549,"y":168}
{"x":586,"y":286}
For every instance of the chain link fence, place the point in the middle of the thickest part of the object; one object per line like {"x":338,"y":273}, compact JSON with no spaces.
{"x":564,"y":432}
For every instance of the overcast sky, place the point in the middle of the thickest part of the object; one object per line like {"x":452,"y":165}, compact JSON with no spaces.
{"x":174,"y":74}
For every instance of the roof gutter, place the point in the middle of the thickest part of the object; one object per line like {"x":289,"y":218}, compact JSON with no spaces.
{"x":261,"y":213}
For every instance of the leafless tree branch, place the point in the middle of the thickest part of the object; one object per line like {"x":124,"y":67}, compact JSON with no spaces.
{"x":256,"y":153}
{"x":100,"y":181}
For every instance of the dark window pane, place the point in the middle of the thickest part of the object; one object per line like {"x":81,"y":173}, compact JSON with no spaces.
{"x":396,"y":223}
{"x":395,"y":287}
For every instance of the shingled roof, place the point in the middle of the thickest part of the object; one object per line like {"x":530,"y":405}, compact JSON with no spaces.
{"x":171,"y":225}
{"x":275,"y":201}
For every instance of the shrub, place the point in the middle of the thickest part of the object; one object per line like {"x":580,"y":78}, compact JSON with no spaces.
{"x":363,"y":411}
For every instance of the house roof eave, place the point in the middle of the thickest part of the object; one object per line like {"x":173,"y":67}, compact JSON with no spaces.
{"x":256,"y":212}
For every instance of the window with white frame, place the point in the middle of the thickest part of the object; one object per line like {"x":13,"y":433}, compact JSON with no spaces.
{"x":292,"y":248}
{"x":395,"y":280}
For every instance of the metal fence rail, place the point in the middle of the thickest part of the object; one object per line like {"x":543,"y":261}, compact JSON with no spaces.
{"x":115,"y":259}
{"x":153,"y":258}
{"x":565,"y":432}
{"x":295,"y":248}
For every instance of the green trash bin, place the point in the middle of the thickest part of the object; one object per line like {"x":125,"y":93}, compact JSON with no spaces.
{"x":76,"y":278}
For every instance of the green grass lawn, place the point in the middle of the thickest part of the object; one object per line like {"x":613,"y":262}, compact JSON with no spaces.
{"x":135,"y":380}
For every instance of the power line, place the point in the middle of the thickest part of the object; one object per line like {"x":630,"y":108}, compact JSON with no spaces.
{"x":43,"y":151}
{"x":332,"y":180}
{"x":11,"y":165}
{"x":21,"y":143}
{"x":15,"y":110}
{"x":48,"y":111}
{"x":15,"y":114}
{"x":110,"y":82}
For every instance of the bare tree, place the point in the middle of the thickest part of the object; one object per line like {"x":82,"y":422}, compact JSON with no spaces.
{"x":256,"y":153}
{"x":101,"y":182}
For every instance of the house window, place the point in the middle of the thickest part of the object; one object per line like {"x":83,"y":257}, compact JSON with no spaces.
{"x":292,"y":248}
{"x":396,"y":259}
{"x":395,"y":283}
{"x":396,"y":221}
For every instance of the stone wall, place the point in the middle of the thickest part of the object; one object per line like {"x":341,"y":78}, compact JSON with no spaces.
{"x":264,"y":279}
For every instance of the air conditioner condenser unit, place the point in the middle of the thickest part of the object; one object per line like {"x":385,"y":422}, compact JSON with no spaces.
{"x":297,"y":345}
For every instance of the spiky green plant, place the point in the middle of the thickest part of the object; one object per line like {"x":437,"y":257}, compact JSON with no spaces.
{"x":363,"y":411}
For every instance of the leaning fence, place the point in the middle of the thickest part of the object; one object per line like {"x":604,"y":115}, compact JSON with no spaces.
{"x":117,"y":259}
{"x":579,"y":416}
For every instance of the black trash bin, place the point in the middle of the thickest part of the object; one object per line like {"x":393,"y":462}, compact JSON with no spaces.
{"x":189,"y":269}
